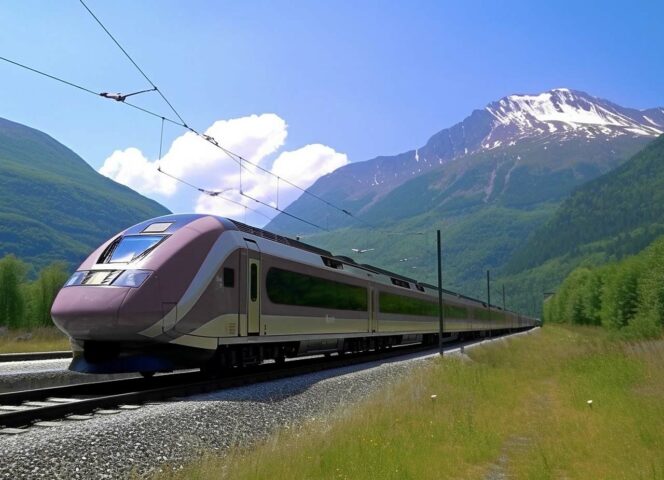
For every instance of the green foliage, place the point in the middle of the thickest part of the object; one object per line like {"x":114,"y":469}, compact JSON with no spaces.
{"x":43,"y":292}
{"x":619,"y":214}
{"x":53,"y":205}
{"x":27,"y":304}
{"x":614,"y":216}
{"x":12,"y":305}
{"x":626,"y":296}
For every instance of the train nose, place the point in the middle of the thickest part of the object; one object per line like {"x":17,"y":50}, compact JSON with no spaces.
{"x":83,"y":312}
{"x":114,"y":313}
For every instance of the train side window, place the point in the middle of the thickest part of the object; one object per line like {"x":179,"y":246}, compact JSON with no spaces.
{"x":229,"y":277}
{"x":254,"y":282}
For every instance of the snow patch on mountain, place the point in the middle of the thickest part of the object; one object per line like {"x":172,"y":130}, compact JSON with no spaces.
{"x":567,"y":113}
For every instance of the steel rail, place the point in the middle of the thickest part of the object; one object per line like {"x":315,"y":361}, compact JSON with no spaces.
{"x":139,"y":390}
{"x":30,"y":356}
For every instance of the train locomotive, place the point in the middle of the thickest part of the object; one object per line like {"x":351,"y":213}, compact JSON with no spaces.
{"x":202,"y":291}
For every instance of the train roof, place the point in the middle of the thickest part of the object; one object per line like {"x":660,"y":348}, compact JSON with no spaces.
{"x":344,"y":259}
{"x":171,"y":223}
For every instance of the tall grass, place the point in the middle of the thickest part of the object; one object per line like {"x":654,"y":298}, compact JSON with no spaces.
{"x":518,"y":409}
{"x":41,"y":339}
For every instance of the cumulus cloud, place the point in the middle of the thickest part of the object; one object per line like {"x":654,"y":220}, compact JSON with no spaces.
{"x":129,"y":167}
{"x":304,"y":166}
{"x":258,"y":138}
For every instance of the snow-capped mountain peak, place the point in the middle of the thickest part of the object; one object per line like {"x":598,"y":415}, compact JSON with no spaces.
{"x":567,"y":113}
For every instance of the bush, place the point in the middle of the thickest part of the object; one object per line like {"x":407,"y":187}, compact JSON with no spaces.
{"x":626,"y":296}
{"x":23,"y":303}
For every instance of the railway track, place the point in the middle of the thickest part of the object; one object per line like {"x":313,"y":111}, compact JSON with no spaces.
{"x":31,"y":356}
{"x":73,"y":402}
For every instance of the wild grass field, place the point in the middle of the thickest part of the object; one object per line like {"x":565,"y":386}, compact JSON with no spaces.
{"x":517,"y":408}
{"x":41,"y":339}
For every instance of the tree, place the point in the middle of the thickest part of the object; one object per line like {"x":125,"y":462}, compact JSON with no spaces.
{"x":12,"y":304}
{"x":44,"y":290}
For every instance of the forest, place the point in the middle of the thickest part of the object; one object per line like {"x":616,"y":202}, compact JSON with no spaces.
{"x":26,"y":296}
{"x":625,"y":296}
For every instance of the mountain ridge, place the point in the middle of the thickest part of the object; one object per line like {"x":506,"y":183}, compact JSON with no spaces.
{"x":53,"y":205}
{"x":558,"y":115}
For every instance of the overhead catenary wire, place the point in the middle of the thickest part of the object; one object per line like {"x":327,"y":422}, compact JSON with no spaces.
{"x":209,"y":138}
{"x":217,"y":193}
{"x":234,"y":156}
{"x":213,"y":193}
{"x":237,"y":158}
{"x":284,"y":212}
{"x":175,"y":122}
{"x":134,"y":63}
{"x":87,"y":90}
{"x":47,"y":75}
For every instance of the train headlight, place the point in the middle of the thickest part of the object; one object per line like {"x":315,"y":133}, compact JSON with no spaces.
{"x":131,"y":278}
{"x":76,"y":279}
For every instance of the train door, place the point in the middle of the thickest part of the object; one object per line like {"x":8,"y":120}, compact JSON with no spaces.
{"x":253,"y":288}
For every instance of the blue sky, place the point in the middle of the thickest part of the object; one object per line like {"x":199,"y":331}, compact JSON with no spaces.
{"x":364,"y":78}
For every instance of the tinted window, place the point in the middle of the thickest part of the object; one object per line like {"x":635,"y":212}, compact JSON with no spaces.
{"x":391,"y":303}
{"x":229,"y":277}
{"x":291,"y":288}
{"x":254,"y":282}
{"x":482,"y":314}
{"x":132,"y":246}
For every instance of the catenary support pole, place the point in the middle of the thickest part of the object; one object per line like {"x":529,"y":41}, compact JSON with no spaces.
{"x":440,"y":296}
{"x":488,"y":298}
{"x":503,"y":296}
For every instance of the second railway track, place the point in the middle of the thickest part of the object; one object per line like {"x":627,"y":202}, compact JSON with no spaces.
{"x":24,"y":408}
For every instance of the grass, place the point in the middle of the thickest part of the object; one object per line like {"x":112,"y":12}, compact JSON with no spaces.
{"x":42,"y":339}
{"x":519,"y":409}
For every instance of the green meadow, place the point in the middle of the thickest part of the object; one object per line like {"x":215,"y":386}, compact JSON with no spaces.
{"x":567,"y":402}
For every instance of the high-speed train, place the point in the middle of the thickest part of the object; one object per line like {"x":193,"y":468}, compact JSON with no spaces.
{"x":201,"y":291}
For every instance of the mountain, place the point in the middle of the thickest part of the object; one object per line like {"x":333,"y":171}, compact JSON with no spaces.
{"x":488,"y":182}
{"x":590,"y":134}
{"x":613,"y":216}
{"x":53,"y":205}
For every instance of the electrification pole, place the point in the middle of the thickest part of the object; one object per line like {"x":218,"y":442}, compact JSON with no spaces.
{"x":488,"y":288}
{"x":440,"y":298}
{"x":503,"y":296}
{"x":488,"y":298}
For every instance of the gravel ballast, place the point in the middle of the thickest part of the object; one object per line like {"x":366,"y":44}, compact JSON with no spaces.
{"x":143,"y":440}
{"x":44,"y":373}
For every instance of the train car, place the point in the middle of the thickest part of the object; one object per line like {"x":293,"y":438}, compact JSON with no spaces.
{"x":201,"y":291}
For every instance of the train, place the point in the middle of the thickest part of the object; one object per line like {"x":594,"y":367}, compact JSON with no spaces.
{"x":187,"y":291}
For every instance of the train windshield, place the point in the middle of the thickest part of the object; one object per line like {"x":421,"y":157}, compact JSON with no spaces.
{"x":132,"y":246}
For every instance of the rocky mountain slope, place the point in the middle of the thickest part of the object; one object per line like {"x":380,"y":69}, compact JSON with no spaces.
{"x":588,"y":134}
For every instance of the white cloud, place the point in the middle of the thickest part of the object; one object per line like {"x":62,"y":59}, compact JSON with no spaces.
{"x":191,"y":158}
{"x":129,"y":167}
{"x":304,"y":166}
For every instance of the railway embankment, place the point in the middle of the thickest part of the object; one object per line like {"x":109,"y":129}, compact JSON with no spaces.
{"x":141,"y":442}
{"x":564,"y":402}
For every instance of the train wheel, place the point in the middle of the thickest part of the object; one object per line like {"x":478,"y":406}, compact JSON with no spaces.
{"x":280,"y":358}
